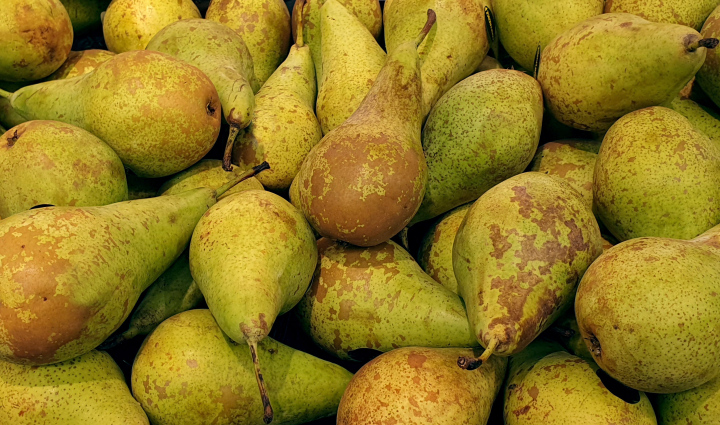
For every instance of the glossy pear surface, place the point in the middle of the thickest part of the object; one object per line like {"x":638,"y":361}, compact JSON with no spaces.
{"x":207,"y":173}
{"x":708,"y":77}
{"x":689,"y":13}
{"x":573,"y":165}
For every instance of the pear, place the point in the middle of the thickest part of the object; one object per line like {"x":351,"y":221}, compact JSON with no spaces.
{"x":558,"y":388}
{"x":518,"y":256}
{"x":222,"y":55}
{"x":69,"y":276}
{"x":49,"y":162}
{"x":264,"y":25}
{"x":664,"y":58}
{"x":188,"y":372}
{"x":284,"y":127}
{"x":159,"y":114}
{"x":699,"y":406}
{"x":131,"y":24}
{"x":435,"y":255}
{"x":37,"y":36}
{"x":708,"y":77}
{"x":567,"y":331}
{"x":574,"y":165}
{"x":351,"y":62}
{"x":649,"y":311}
{"x":656,"y":175}
{"x":526,"y":26}
{"x":142,"y":188}
{"x":496,"y":115}
{"x":89,"y":389}
{"x":419,"y":386}
{"x":451,"y":52}
{"x":253,"y":256}
{"x":489,"y":63}
{"x":364,"y":181}
{"x":378,"y":298}
{"x":207,"y":173}
{"x":683,"y":12}
{"x":702,"y":118}
{"x":80,"y":63}
{"x":85,"y":14}
{"x":8,"y":116}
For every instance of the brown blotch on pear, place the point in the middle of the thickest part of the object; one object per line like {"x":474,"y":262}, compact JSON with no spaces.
{"x":574,"y":165}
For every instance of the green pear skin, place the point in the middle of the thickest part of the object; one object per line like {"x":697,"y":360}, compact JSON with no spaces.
{"x":8,"y":116}
{"x":89,"y":389}
{"x":689,"y":13}
{"x":53,"y":163}
{"x":518,"y":256}
{"x":656,"y":175}
{"x":574,"y":165}
{"x":80,"y":63}
{"x":85,"y":14}
{"x":496,"y":115}
{"x":417,"y":386}
{"x":207,"y":173}
{"x":378,"y":298}
{"x":664,"y":59}
{"x":699,"y":406}
{"x":188,"y":372}
{"x":708,"y":77}
{"x":649,"y":312}
{"x":702,"y":118}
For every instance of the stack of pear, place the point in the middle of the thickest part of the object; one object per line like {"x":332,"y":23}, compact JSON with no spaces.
{"x":365,"y":180}
{"x":708,"y":77}
{"x":683,"y":12}
{"x":208,"y":173}
{"x":574,"y":165}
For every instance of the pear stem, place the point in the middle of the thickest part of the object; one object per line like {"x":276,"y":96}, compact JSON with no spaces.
{"x":428,"y":26}
{"x":241,"y":177}
{"x":470,"y":363}
{"x":299,"y":41}
{"x":709,"y":43}
{"x":268,"y":410}
{"x":5,"y":94}
{"x":227,"y":156}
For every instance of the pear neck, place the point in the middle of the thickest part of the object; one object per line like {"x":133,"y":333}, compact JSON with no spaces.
{"x":710,"y":239}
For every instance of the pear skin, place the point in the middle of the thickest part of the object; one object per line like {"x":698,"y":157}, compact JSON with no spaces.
{"x":80,"y":63}
{"x":85,"y":14}
{"x":702,"y":118}
{"x":699,"y":406}
{"x":708,"y":77}
{"x":689,"y":13}
{"x":574,"y":165}
{"x":207,"y":173}
{"x":9,"y":118}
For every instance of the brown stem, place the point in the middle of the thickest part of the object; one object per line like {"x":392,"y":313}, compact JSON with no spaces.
{"x":472,"y":363}
{"x":428,"y":26}
{"x":709,"y":43}
{"x":268,"y":410}
{"x":241,"y":177}
{"x":227,"y":157}
{"x":299,"y":41}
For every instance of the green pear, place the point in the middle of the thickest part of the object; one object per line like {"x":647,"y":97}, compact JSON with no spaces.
{"x":130,"y":24}
{"x":574,"y":165}
{"x":656,"y":175}
{"x":497,"y":116}
{"x":80,"y":63}
{"x":378,"y":298}
{"x":159,"y":114}
{"x":89,"y":389}
{"x":708,"y":77}
{"x":264,"y":25}
{"x":664,"y":58}
{"x":567,"y":331}
{"x":451,"y":52}
{"x":36,"y":37}
{"x":142,"y":188}
{"x":85,"y":14}
{"x":418,"y":386}
{"x":351,"y":62}
{"x":364,"y":181}
{"x":9,"y":118}
{"x":69,"y":276}
{"x":435,"y":255}
{"x":518,"y":256}
{"x":284,"y":127}
{"x":683,"y":12}
{"x":558,"y":388}
{"x":649,"y":311}
{"x":524,"y":361}
{"x":207,"y":173}
{"x":489,"y":63}
{"x":188,"y":372}
{"x":253,"y":256}
{"x":222,"y":55}
{"x":702,"y":118}
{"x":699,"y":406}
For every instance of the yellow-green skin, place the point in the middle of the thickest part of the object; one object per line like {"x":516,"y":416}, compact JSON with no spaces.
{"x":131,"y":24}
{"x":661,"y":66}
{"x":36,"y":38}
{"x":284,"y":127}
{"x":451,"y":52}
{"x":702,"y":118}
{"x":85,"y":14}
{"x":649,"y":311}
{"x":495,"y":115}
{"x":518,"y":256}
{"x":575,"y":344}
{"x":656,"y":175}
{"x":80,"y":63}
{"x":699,"y":406}
{"x":188,"y":372}
{"x":159,"y":114}
{"x":253,"y":256}
{"x":70,"y":276}
{"x":689,"y":13}
{"x":435,"y":255}
{"x":418,"y":386}
{"x":351,"y":62}
{"x":378,"y":298}
{"x":264,"y":25}
{"x":574,"y":165}
{"x":89,"y":389}
{"x":8,"y":116}
{"x":563,"y":389}
{"x":222,"y":55}
{"x":709,"y":75}
{"x":53,"y":163}
{"x":522,"y":25}
{"x":207,"y":173}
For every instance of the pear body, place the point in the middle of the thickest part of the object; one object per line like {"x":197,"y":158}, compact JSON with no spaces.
{"x":648,"y":302}
{"x":351,"y":61}
{"x":701,"y":117}
{"x":80,"y":63}
{"x":574,"y":165}
{"x":85,"y":14}
{"x":131,"y":24}
{"x":518,"y":256}
{"x":691,"y":14}
{"x":9,"y":117}
{"x":89,"y":389}
{"x":37,"y":36}
{"x":209,"y":379}
{"x":699,"y":406}
{"x":378,"y":298}
{"x":264,"y":25}
{"x":207,"y":173}
{"x":641,"y":154}
{"x":421,"y":385}
{"x":708,"y":77}
{"x":495,"y":114}
{"x":574,"y":342}
{"x":663,"y":63}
